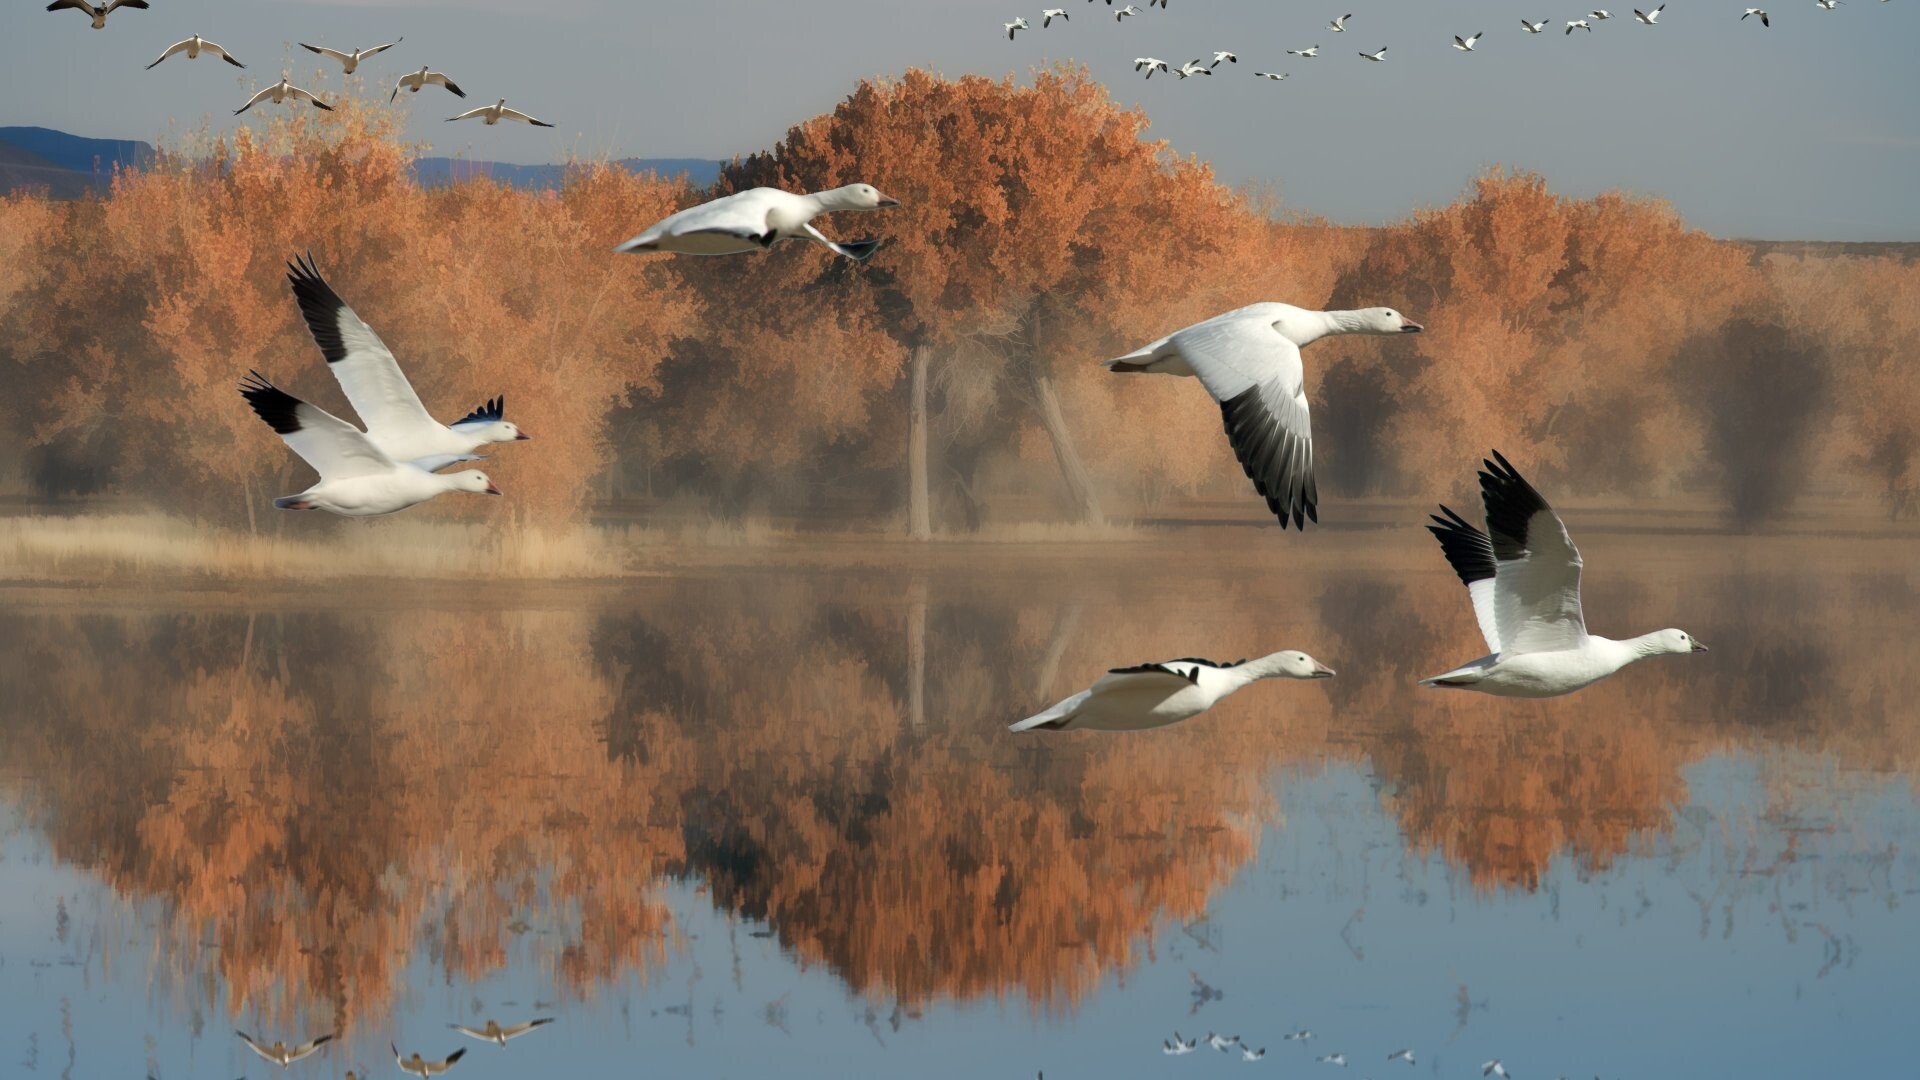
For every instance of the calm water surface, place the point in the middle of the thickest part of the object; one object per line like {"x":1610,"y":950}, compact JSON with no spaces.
{"x":769,"y":824}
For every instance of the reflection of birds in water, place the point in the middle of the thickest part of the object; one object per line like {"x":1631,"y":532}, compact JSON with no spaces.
{"x":1179,"y":1045}
{"x":280,"y":1053}
{"x":1222,"y":1043}
{"x":1335,"y":1059}
{"x":498,"y":1035}
{"x":1247,"y":1053}
{"x":1299,"y":1036}
{"x":1494,"y":1068}
{"x":1202,"y":993}
{"x":1157,"y":694}
{"x":1401,"y":1055}
{"x":423,"y":1068}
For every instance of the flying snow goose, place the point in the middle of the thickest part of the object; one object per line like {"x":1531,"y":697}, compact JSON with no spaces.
{"x":1221,"y":55}
{"x":280,"y":1053}
{"x":1124,"y":12}
{"x":1014,"y":27}
{"x":1334,"y":1059}
{"x":1600,"y":14}
{"x":1248,"y":1053}
{"x":1757,"y":11}
{"x":756,"y":219}
{"x":356,"y":479}
{"x":1579,"y":24}
{"x":398,"y":425}
{"x":421,"y":1066}
{"x":350,"y":60}
{"x":1535,"y":27}
{"x":1494,"y":1068}
{"x":1376,"y":57}
{"x":1150,"y":63}
{"x":193,"y":47}
{"x":1823,"y":5}
{"x":498,"y":1035}
{"x":1339,"y":25}
{"x":1049,"y":14}
{"x":1155,"y":695}
{"x":1523,"y":576}
{"x":419,"y":80}
{"x":280,"y":92}
{"x":1191,"y":68}
{"x":98,"y":14}
{"x":1651,"y":18}
{"x":1401,"y":1055}
{"x":1249,"y":361}
{"x":1275,"y":76}
{"x":1466,"y":44}
{"x":497,"y":112}
{"x":1305,"y":54}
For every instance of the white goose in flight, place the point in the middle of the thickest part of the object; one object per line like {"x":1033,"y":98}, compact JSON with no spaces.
{"x":1150,"y":63}
{"x":193,"y":47}
{"x":1191,"y":68}
{"x":1579,"y":24}
{"x":1376,"y":57}
{"x":419,"y":80}
{"x":1249,"y":361}
{"x":423,"y":1068}
{"x":1534,"y":27}
{"x":1124,"y":12}
{"x":498,"y":1035}
{"x":97,"y":14}
{"x":1305,"y":54}
{"x":1155,"y":695}
{"x":1757,"y":11}
{"x":279,"y":92}
{"x":280,"y":1053}
{"x":1017,"y":25}
{"x":758,"y":218}
{"x":350,"y":60}
{"x":1466,"y":44}
{"x":1276,"y":76}
{"x":1523,"y":576}
{"x":497,"y":112}
{"x":1339,"y":25}
{"x":1223,"y":55}
{"x":1047,"y":16}
{"x":356,"y":479}
{"x":1651,"y":18}
{"x":398,"y":425}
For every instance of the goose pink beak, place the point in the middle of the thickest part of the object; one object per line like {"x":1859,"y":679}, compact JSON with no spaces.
{"x":1322,"y":671}
{"x":1408,"y":326}
{"x":491,"y":490}
{"x":521,"y":436}
{"x":888,"y":200}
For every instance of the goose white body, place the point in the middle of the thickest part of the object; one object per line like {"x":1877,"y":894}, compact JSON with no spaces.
{"x":756,"y":219}
{"x":1154,"y":695}
{"x":1523,"y":577}
{"x":398,"y":425}
{"x":1249,"y":361}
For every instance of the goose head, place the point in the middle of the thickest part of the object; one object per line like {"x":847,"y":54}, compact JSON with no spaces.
{"x":503,"y":431}
{"x":856,"y":197}
{"x":1292,"y":664}
{"x":1380,"y":320}
{"x":472,"y":480}
{"x":1674,"y":641}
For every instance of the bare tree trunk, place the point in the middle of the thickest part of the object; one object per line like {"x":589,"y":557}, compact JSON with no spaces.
{"x":1073,"y":470}
{"x":919,"y":497}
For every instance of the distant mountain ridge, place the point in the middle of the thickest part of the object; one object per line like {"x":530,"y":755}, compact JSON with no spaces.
{"x":69,"y":166}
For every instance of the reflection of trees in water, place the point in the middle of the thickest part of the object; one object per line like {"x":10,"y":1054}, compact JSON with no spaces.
{"x":324,"y":796}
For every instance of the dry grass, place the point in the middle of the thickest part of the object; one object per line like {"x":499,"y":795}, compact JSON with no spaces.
{"x":149,"y":545}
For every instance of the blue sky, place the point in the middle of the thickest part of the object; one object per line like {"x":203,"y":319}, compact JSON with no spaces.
{"x":1804,"y":130}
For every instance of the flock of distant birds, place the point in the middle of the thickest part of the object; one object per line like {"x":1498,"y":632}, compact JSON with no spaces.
{"x":283,"y":1055}
{"x":1178,"y":1046}
{"x":196,"y":46}
{"x":1462,"y":43}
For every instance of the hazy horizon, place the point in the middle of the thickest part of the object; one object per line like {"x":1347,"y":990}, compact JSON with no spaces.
{"x":1695,"y":111}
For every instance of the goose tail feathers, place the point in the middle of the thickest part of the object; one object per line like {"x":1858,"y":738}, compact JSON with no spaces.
{"x":1055,"y":717}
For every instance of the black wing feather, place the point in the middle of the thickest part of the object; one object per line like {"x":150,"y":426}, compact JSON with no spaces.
{"x":1268,"y":451}
{"x":272,"y":404}
{"x":1467,"y":549}
{"x":1511,"y":503}
{"x":491,"y":411}
{"x":320,"y":306}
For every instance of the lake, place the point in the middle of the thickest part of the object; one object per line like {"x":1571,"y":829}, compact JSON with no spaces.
{"x":768,"y":822}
